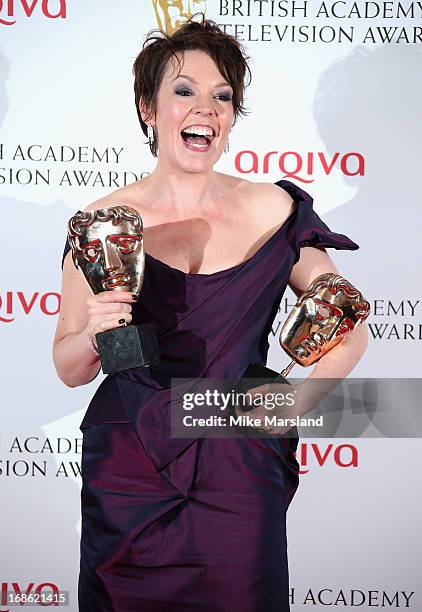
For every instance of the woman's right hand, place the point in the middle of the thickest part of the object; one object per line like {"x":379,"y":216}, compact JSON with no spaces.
{"x":107,"y":310}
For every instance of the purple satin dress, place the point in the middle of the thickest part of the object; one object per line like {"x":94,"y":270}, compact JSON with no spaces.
{"x":179,"y":525}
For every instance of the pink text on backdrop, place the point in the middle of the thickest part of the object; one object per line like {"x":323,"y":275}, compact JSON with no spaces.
{"x":12,"y":301}
{"x":8,"y":9}
{"x":295,"y":165}
{"x":344,"y":455}
{"x":24,"y":593}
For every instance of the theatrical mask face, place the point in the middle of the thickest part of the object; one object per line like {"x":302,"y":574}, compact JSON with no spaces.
{"x":323,"y":315}
{"x":111,"y":256}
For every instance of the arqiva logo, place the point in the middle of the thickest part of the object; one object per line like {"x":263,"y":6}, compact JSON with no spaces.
{"x":18,"y":301}
{"x":297,"y":166}
{"x":343,"y":455}
{"x":8,"y":8}
{"x":44,"y":594}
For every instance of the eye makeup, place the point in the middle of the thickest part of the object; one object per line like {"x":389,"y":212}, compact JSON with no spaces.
{"x":224,"y":96}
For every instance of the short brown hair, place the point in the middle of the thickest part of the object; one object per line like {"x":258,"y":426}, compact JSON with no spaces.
{"x":159,"y":47}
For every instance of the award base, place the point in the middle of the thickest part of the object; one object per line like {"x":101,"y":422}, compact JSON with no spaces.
{"x":256,"y":371}
{"x":253,"y":377}
{"x":128,"y":347}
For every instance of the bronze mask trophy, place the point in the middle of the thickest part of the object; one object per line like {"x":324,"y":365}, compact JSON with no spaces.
{"x":108,"y":246}
{"x":329,"y":309}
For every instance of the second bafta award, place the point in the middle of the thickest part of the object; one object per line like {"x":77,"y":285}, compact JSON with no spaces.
{"x":330,"y":308}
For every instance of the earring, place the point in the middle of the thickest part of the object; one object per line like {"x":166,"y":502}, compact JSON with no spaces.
{"x":150,"y":133}
{"x":226,"y":148}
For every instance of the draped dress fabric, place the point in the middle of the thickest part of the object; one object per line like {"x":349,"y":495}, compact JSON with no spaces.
{"x":179,"y":525}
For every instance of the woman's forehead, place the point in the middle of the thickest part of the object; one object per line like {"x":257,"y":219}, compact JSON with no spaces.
{"x":191,"y":63}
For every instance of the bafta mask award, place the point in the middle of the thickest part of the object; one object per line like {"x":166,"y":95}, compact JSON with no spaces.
{"x":329,"y":309}
{"x":108,"y":246}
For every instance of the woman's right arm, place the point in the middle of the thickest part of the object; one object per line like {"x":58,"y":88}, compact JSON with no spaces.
{"x":83,"y":315}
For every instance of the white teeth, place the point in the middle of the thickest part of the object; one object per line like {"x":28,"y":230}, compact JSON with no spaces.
{"x":198,"y":131}
{"x":198,"y":146}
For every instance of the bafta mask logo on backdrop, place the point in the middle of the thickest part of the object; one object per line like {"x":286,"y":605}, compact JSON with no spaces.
{"x":171,"y":14}
{"x":52,"y":9}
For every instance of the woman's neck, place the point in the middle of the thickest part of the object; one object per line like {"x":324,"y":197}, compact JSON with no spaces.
{"x":183,"y":192}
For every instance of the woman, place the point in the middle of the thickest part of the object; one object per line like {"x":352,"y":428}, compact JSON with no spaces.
{"x":191,"y":524}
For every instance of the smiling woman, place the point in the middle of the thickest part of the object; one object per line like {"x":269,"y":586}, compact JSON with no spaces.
{"x":162,"y":52}
{"x":172,"y":523}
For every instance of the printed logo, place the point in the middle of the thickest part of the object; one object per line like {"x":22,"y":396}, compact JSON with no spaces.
{"x":170,"y":15}
{"x":300,"y":166}
{"x":44,"y":594}
{"x":342,"y":455}
{"x":8,"y":9}
{"x":19,"y":301}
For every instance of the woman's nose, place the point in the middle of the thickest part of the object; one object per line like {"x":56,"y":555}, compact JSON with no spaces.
{"x":204,"y":110}
{"x":204,"y":106}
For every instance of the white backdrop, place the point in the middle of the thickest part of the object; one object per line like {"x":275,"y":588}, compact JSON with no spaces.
{"x":335,"y":98}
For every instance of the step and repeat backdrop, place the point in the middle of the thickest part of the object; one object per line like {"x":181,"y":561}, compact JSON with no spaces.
{"x":335,"y":106}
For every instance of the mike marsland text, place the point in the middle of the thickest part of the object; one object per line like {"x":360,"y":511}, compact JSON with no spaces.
{"x":245,"y":420}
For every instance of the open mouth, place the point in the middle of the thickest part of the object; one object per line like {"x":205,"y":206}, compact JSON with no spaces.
{"x":196,"y":141}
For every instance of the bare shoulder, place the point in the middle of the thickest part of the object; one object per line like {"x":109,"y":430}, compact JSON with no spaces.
{"x":259,"y":190}
{"x":130,"y":195}
{"x":272,"y":195}
{"x":271,"y":203}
